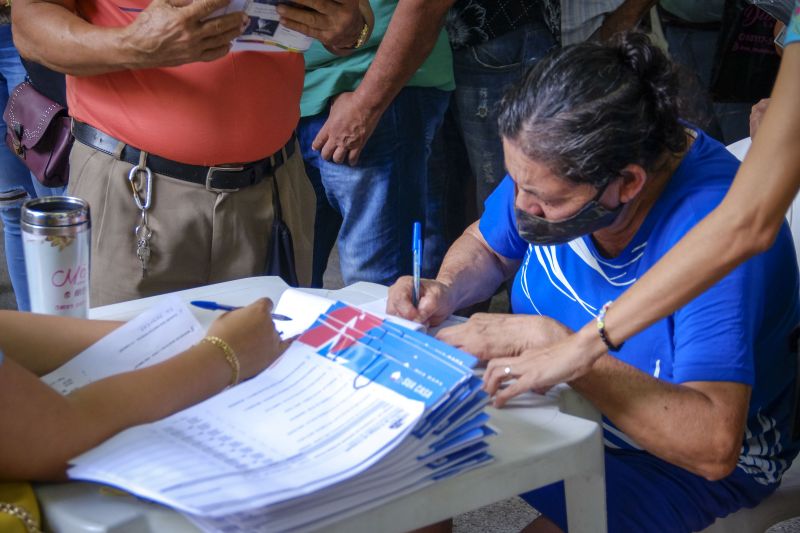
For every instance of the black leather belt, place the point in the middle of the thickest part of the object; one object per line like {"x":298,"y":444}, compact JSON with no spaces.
{"x":223,"y":178}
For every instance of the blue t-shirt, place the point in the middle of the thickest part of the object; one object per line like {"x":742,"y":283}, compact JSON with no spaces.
{"x":736,"y":331}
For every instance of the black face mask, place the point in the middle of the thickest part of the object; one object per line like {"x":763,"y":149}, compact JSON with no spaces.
{"x":590,"y":218}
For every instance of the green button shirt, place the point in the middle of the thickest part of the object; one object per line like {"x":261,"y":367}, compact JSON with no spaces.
{"x":328,"y":75}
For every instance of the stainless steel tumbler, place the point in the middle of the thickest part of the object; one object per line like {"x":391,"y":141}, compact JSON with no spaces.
{"x":56,"y":234}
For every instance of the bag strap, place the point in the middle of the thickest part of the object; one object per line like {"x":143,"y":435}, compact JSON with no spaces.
{"x":277,"y":213}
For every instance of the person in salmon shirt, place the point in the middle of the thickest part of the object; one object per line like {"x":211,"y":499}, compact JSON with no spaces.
{"x":180,"y":140}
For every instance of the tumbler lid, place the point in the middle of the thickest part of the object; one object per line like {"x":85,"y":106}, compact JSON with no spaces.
{"x":55,"y":211}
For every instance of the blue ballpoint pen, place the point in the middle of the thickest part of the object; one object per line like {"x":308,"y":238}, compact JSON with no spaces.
{"x":214,"y":306}
{"x":416,"y":248}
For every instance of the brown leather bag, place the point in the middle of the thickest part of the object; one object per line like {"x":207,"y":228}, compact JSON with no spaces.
{"x":38,"y":132}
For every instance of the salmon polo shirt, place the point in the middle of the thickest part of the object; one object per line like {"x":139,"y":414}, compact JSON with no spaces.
{"x":239,"y":108}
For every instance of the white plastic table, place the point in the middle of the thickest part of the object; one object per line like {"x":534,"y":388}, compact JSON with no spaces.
{"x":538,"y":444}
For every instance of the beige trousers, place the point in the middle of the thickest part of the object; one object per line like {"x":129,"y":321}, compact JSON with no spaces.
{"x":199,"y":237}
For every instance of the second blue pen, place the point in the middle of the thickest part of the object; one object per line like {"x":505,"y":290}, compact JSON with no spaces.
{"x":214,"y":306}
{"x":416,"y":249}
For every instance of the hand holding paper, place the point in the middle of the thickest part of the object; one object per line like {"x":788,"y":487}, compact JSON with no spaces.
{"x":252,"y":335}
{"x":171,"y":33}
{"x":333,"y":23}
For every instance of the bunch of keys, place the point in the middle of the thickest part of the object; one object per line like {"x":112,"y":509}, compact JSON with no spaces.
{"x":143,"y":234}
{"x":142,"y":230}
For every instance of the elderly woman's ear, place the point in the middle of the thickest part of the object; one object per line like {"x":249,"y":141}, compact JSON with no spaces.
{"x":632,"y":182}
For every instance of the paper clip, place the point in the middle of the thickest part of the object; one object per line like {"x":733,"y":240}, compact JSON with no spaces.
{"x":329,"y":322}
{"x":362,"y":379}
{"x":363,"y":372}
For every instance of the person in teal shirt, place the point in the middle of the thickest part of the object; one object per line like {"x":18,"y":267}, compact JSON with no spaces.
{"x":793,"y":29}
{"x":367,"y":123}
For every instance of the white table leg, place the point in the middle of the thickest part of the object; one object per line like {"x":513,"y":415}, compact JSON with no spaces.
{"x":586,"y":503}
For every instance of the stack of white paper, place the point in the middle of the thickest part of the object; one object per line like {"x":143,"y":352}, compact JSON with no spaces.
{"x":359,"y":410}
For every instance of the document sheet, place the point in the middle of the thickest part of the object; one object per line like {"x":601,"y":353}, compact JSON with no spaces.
{"x":152,"y":337}
{"x":449,"y":439}
{"x":359,"y":410}
{"x":264,"y":32}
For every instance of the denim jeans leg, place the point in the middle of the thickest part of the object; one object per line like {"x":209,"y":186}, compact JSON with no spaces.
{"x":435,"y":245}
{"x":42,"y":190}
{"x":687,"y":50}
{"x":694,"y":49}
{"x":483,"y":73}
{"x":328,"y":220}
{"x":380,"y":197}
{"x":449,"y":171}
{"x":16,"y":184}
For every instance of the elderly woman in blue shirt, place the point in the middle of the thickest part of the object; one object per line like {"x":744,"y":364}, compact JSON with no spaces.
{"x":604,"y":179}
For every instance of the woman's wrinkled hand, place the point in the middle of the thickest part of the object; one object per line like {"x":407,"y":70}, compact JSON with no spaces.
{"x":539,"y":369}
{"x":492,"y":335}
{"x":435,"y":301}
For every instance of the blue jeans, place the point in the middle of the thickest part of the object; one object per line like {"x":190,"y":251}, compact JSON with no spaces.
{"x":483,"y":73}
{"x":16,"y":182}
{"x":694,"y":50}
{"x":371,"y":206}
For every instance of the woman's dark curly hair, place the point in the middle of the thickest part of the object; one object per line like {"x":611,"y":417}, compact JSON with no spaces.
{"x":589,"y":110}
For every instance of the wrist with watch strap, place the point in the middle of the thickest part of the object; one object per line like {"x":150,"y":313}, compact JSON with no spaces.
{"x":361,"y":39}
{"x":362,"y":36}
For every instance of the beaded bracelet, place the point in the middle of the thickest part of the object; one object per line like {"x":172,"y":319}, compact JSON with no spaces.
{"x":601,"y":328}
{"x":230,"y":356}
{"x":30,"y":523}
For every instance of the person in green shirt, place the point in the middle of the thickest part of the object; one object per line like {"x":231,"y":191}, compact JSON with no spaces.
{"x":367,"y":123}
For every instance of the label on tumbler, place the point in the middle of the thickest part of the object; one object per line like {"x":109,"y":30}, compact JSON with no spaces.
{"x":56,"y":240}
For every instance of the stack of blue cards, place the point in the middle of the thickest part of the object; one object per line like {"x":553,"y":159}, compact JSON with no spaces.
{"x":449,"y":439}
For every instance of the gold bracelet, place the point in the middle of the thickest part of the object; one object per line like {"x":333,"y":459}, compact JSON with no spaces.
{"x":230,"y":356}
{"x":27,"y":519}
{"x":362,"y":36}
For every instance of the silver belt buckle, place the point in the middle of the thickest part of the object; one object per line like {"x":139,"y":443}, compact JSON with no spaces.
{"x":210,"y":175}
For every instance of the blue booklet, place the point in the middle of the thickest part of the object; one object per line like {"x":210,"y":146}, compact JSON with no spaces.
{"x":405,"y":361}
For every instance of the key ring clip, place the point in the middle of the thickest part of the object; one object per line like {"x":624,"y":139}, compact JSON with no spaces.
{"x":148,"y":182}
{"x":143,"y":231}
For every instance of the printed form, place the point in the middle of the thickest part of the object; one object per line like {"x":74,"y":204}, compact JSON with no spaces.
{"x":297,"y":427}
{"x":150,"y":338}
